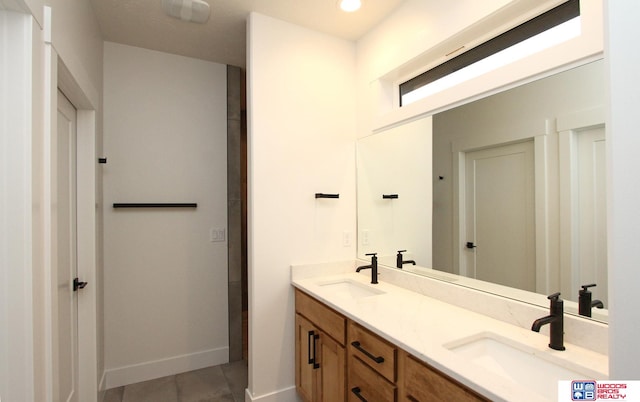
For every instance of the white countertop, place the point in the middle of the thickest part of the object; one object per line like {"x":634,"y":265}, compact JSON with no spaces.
{"x":422,"y":325}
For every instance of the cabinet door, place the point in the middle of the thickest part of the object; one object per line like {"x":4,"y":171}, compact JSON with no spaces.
{"x":331,"y":375}
{"x":424,"y":383}
{"x":305,"y":373}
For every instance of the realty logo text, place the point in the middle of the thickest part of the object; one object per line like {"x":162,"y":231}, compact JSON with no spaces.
{"x":592,"y":390}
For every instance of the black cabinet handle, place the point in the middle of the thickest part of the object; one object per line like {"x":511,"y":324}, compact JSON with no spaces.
{"x":357,"y":391}
{"x":312,"y":339}
{"x":412,"y":399}
{"x":377,"y":359}
{"x":309,"y":341}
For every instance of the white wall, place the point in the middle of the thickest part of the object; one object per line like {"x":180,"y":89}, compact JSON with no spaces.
{"x":165,"y":282}
{"x":301,"y":105}
{"x":624,"y":194}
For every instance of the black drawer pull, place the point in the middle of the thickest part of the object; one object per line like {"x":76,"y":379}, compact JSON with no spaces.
{"x":309,"y":341}
{"x":412,"y":399}
{"x":377,"y":359}
{"x":356,"y":391}
{"x":312,"y":339}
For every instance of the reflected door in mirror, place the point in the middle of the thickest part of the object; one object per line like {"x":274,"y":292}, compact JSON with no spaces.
{"x":499,"y":206}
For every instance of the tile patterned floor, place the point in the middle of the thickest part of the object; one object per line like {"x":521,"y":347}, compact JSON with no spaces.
{"x":225,"y":383}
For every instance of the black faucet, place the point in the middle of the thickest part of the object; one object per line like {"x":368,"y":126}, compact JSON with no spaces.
{"x":555,"y":319}
{"x":373,"y":266}
{"x":400,"y":262}
{"x":584,"y":301}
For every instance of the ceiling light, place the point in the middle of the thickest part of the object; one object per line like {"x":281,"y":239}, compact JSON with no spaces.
{"x":187,"y":10}
{"x":350,"y":5}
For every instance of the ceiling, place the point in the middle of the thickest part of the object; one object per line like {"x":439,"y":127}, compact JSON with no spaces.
{"x":222,"y":38}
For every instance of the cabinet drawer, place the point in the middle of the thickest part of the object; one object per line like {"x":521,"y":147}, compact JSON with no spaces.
{"x":424,"y":383}
{"x":367,"y":385}
{"x":373,"y":350}
{"x":332,"y":323}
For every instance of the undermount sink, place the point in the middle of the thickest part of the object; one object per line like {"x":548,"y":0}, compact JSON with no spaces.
{"x":539,"y":372}
{"x":352,"y":289}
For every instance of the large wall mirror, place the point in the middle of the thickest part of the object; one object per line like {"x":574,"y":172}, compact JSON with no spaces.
{"x":505,"y":194}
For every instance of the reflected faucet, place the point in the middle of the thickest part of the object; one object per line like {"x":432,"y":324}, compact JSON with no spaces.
{"x":584,"y":301}
{"x":555,"y":319}
{"x":400,"y":262}
{"x":373,"y":267}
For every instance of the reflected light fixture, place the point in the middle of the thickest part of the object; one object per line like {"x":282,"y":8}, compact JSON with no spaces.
{"x":187,"y":10}
{"x":350,"y":5}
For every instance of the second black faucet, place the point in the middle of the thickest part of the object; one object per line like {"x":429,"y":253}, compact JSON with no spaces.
{"x":400,"y":262}
{"x":585,"y":303}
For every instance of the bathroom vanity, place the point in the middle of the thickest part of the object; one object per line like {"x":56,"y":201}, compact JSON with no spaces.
{"x":376,"y":370}
{"x":358,"y":341}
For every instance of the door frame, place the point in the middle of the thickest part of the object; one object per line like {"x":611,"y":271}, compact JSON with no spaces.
{"x":31,"y":99}
{"x":19,"y":259}
{"x":459,"y":148}
{"x":568,"y":126}
{"x":58,"y":76}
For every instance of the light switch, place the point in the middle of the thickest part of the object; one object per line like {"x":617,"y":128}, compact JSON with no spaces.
{"x":365,"y":237}
{"x":217,"y":235}
{"x":346,"y":238}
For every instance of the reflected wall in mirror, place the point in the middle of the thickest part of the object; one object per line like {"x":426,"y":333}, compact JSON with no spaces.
{"x":394,"y":193}
{"x":517,"y":190}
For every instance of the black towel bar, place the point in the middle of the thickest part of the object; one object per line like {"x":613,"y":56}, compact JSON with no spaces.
{"x":155,"y":205}
{"x":322,"y":195}
{"x":389,"y":196}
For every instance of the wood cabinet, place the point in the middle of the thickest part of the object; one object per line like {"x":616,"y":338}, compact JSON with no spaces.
{"x":320,"y":351}
{"x":372,"y":371}
{"x":421,"y":382}
{"x":340,"y":360}
{"x":365,"y":384}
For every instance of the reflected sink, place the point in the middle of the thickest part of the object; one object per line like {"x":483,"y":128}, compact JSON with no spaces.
{"x":526,"y":366}
{"x":352,"y":289}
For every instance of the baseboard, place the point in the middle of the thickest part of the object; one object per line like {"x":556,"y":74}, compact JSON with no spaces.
{"x":283,"y":395}
{"x":102,"y":387}
{"x":126,"y":375}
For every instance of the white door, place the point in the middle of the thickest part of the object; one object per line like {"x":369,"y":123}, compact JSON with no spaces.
{"x":500,"y":216}
{"x":67,"y":370}
{"x":591,"y":204}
